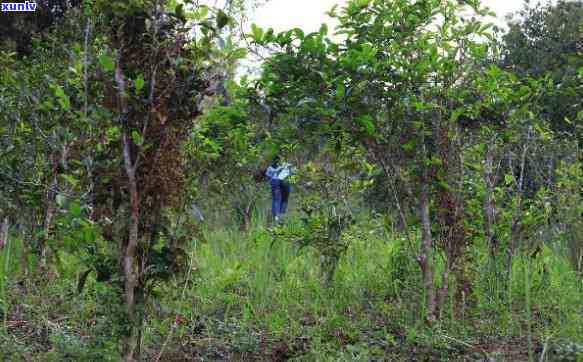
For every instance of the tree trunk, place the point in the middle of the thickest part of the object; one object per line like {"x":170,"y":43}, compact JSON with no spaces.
{"x":131,"y":348}
{"x":490,"y":216}
{"x":516,"y":228}
{"x":4,"y":232}
{"x":47,"y":222}
{"x":443,"y":290}
{"x":425,"y":258}
{"x":130,"y":266}
{"x":489,"y":203}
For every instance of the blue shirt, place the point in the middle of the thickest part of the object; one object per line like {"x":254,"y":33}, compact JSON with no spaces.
{"x":279,"y":173}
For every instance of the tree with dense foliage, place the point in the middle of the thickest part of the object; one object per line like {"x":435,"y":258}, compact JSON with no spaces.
{"x":548,"y":39}
{"x":399,"y":83}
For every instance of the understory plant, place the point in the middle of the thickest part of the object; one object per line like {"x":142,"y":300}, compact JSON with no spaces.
{"x":327,"y":212}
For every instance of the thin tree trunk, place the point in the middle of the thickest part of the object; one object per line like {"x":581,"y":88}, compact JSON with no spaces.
{"x":443,"y":290}
{"x":130,"y":268}
{"x":515,"y":232}
{"x":129,"y":260}
{"x":47,"y":222}
{"x":4,"y":232}
{"x":425,"y":258}
{"x":30,"y":230}
{"x":489,"y":203}
{"x":490,"y":215}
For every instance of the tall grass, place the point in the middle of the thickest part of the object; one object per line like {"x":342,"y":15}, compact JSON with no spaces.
{"x":250,"y":289}
{"x":8,"y":268}
{"x":270,"y":285}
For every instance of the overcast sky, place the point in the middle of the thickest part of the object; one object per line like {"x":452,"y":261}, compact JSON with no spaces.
{"x":309,"y":14}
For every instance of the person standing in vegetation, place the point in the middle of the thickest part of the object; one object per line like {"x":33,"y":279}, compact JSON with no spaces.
{"x":278,"y":173}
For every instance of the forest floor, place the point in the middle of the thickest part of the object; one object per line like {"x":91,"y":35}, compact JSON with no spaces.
{"x":247,"y":297}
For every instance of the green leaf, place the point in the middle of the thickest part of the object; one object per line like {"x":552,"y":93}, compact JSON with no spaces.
{"x":340,"y":91}
{"x":65,"y":103}
{"x":137,"y":138}
{"x":62,"y":98}
{"x":269,"y":35}
{"x":543,"y":133}
{"x":257,"y":33}
{"x":70,"y":179}
{"x":409,"y":146}
{"x":299,"y":33}
{"x":444,"y":185}
{"x":456,"y":114}
{"x":106,"y":62}
{"x":433,"y":161}
{"x":75,"y":208}
{"x":139,"y":83}
{"x":179,"y":12}
{"x":332,"y":12}
{"x":283,"y":39}
{"x":363,"y":3}
{"x":367,"y":124}
{"x":59,"y":92}
{"x":239,"y":53}
{"x":222,"y":19}
{"x":202,"y":12}
{"x":113,"y":133}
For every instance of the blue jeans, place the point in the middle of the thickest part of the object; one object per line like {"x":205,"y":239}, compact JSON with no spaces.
{"x":279,"y":196}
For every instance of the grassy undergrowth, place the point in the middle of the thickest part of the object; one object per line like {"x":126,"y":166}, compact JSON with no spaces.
{"x":250,"y":296}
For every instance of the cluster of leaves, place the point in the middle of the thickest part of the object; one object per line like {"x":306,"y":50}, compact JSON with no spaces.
{"x":226,"y":147}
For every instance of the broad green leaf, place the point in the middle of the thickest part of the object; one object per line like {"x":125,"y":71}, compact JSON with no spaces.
{"x":456,"y":114}
{"x":59,"y":92}
{"x":363,"y":3}
{"x":65,"y":103}
{"x":137,"y":138}
{"x":257,"y":33}
{"x":367,"y":124}
{"x":299,"y":33}
{"x":106,"y":62}
{"x":179,"y":12}
{"x":139,"y":83}
{"x":75,"y":208}
{"x":444,"y":185}
{"x":70,"y":179}
{"x":332,"y":12}
{"x":222,"y":19}
{"x":239,"y":53}
{"x":340,"y":91}
{"x":202,"y":12}
{"x":409,"y":146}
{"x":62,"y":98}
{"x":113,"y":133}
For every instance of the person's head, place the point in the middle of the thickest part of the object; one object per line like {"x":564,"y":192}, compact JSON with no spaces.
{"x":276,"y":161}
